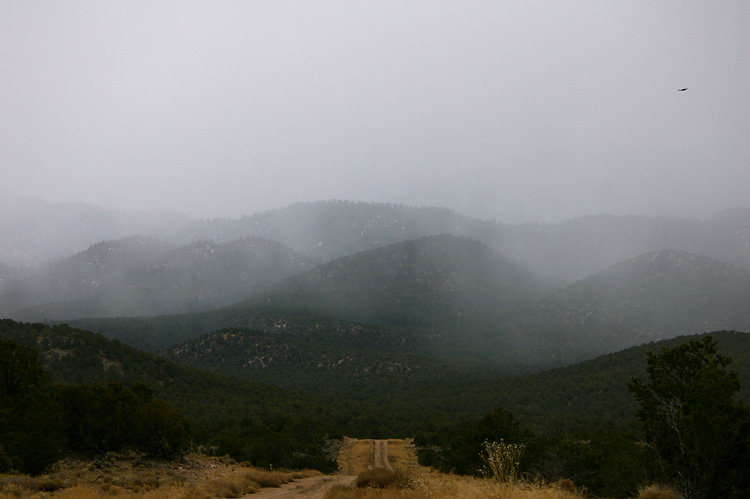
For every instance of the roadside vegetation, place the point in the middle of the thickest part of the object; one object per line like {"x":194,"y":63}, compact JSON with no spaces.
{"x":193,"y":476}
{"x":691,"y":431}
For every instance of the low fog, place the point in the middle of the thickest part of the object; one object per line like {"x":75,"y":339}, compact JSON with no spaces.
{"x":517,"y":111}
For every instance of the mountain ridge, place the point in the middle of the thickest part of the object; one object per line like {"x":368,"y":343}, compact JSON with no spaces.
{"x":144,"y":276}
{"x":654,"y":296}
{"x":324,"y":230}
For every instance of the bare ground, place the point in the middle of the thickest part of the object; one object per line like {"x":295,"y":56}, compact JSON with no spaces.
{"x":314,"y":487}
{"x":355,"y":456}
{"x":199,"y":476}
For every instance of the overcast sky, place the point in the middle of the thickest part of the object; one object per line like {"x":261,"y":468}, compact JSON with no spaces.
{"x":517,"y":111}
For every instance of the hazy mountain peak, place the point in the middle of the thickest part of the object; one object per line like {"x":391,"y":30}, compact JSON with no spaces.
{"x":656,"y":295}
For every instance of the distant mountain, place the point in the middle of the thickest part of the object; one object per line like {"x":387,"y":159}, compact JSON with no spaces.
{"x":574,"y":249}
{"x":437,"y":281}
{"x":568,"y":251}
{"x":728,"y":236}
{"x":327,"y":230}
{"x":655,"y":296}
{"x":454,"y":298}
{"x":88,"y":273}
{"x":139,"y":276}
{"x":446,"y":296}
{"x":34,"y":231}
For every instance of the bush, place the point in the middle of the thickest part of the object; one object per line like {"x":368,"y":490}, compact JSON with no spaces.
{"x":381,"y":478}
{"x":696,"y":428}
{"x":502,"y":460}
{"x":659,"y":492}
{"x":231,"y":486}
{"x":104,"y":418}
{"x":5,"y":462}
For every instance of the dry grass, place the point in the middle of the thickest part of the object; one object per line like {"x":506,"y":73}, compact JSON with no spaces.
{"x":249,"y":481}
{"x":381,"y":478}
{"x":196,"y":477}
{"x":659,"y":492}
{"x":437,"y":486}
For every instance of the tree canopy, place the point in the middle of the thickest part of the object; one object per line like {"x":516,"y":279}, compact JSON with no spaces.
{"x":694,"y":425}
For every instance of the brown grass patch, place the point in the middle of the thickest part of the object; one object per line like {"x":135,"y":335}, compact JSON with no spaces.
{"x":438,"y":486}
{"x":381,"y":478}
{"x":195,"y":477}
{"x":659,"y":492}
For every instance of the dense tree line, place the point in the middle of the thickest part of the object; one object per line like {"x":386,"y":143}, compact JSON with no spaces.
{"x":696,"y":431}
{"x":94,"y":400}
{"x":39,"y":420}
{"x":695,"y":437}
{"x":89,"y":375}
{"x":607,"y":463}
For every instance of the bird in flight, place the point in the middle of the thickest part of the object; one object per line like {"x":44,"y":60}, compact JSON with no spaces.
{"x":682,"y":89}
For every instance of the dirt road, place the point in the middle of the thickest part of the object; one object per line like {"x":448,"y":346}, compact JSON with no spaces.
{"x":355,"y":456}
{"x":380,"y":455}
{"x":310,"y":488}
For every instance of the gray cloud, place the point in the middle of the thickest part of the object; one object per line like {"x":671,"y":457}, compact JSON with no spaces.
{"x":509,"y":110}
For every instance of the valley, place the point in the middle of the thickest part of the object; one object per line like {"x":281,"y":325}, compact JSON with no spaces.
{"x":374,"y":250}
{"x":529,"y":295}
{"x":417,"y":333}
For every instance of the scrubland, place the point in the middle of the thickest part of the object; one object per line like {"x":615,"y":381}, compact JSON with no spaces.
{"x":404,"y":485}
{"x":441,"y":486}
{"x":195,"y":477}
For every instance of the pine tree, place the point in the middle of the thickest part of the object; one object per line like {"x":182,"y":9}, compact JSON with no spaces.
{"x":696,"y":429}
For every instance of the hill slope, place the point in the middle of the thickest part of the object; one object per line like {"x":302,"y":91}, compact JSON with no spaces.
{"x":251,"y":421}
{"x":454,"y":294}
{"x":569,"y":250}
{"x":436,"y":281}
{"x":139,"y":276}
{"x":654,"y":296}
{"x":596,"y":389}
{"x":35,"y":232}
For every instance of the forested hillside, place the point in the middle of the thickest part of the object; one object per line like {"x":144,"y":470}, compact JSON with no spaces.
{"x":456,"y":299}
{"x":139,"y":276}
{"x":248,"y":420}
{"x":438,"y":281}
{"x":655,"y":296}
{"x":569,"y":250}
{"x":573,"y":420}
{"x":38,"y":232}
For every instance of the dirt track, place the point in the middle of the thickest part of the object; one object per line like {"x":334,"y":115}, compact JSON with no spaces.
{"x":355,"y":456}
{"x":380,"y":457}
{"x":310,"y":488}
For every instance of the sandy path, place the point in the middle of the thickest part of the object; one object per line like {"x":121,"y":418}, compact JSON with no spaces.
{"x":310,"y":488}
{"x":380,"y":459}
{"x":355,"y":456}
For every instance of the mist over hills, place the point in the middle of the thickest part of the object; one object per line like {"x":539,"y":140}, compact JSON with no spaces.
{"x":448,"y":282}
{"x":456,"y":299}
{"x":435,"y":281}
{"x":35,"y":232}
{"x":654,"y":296}
{"x":452,"y":296}
{"x":138,"y":276}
